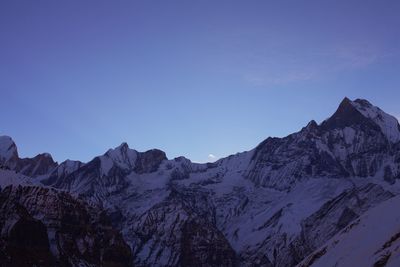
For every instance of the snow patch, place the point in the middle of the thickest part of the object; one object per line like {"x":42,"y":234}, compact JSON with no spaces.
{"x":372,"y":237}
{"x":388,"y":124}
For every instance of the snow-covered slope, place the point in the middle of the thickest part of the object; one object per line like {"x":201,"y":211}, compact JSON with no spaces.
{"x":373,"y":239}
{"x":388,"y":124}
{"x":8,"y":177}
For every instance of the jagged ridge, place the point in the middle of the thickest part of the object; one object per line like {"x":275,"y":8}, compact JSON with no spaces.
{"x":270,"y":206}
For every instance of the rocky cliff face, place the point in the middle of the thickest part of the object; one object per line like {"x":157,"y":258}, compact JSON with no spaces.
{"x":272,"y":206}
{"x":45,"y":227}
{"x":180,"y":231}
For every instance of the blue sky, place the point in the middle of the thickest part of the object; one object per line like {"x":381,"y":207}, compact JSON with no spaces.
{"x":192,"y":78}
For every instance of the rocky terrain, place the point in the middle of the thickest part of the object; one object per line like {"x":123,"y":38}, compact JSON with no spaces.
{"x":297,"y":200}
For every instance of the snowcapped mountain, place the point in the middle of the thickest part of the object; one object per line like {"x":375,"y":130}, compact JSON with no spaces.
{"x":41,"y":164}
{"x":8,"y":151}
{"x":275,"y":205}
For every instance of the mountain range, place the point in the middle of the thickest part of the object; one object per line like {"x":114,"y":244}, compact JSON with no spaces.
{"x":326,"y":195}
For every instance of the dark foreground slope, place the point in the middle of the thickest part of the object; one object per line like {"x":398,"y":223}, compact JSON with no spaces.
{"x":45,"y":227}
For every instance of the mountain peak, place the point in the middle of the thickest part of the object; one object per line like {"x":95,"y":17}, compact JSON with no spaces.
{"x":44,"y":156}
{"x":312,"y":125}
{"x":345,"y":105}
{"x":122,"y":149}
{"x":362,"y":112}
{"x":346,"y":100}
{"x":8,"y":149}
{"x":122,"y":146}
{"x":122,"y":155}
{"x":346,"y":115}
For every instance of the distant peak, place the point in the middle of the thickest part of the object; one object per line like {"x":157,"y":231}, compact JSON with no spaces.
{"x":346,"y":108}
{"x":345,"y":115}
{"x":70,"y":162}
{"x":361,"y":111}
{"x":346,"y":100}
{"x":154,"y":150}
{"x":8,"y":149}
{"x":44,"y":156}
{"x":123,"y":146}
{"x":345,"y":105}
{"x":312,"y":124}
{"x":181,"y":159}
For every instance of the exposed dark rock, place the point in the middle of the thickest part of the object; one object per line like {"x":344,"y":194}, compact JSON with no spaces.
{"x":28,"y":244}
{"x":149,"y":161}
{"x":38,"y":165}
{"x":388,"y":175}
{"x":202,"y":246}
{"x":382,"y":260}
{"x":345,"y":116}
{"x":347,"y":216}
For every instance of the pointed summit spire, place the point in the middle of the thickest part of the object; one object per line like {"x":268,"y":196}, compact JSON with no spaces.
{"x":345,"y":106}
{"x":346,"y":115}
{"x":363,"y":113}
{"x":8,"y":149}
{"x":346,"y":101}
{"x":312,"y":124}
{"x":123,"y":146}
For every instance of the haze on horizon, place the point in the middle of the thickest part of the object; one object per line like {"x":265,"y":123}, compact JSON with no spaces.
{"x":202,"y":80}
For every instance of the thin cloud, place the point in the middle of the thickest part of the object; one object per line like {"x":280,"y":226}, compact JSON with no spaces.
{"x":211,"y":157}
{"x":258,"y":79}
{"x":356,"y":56}
{"x":286,"y":68}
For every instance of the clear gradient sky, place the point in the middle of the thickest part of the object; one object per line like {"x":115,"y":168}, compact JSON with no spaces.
{"x":192,"y":78}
